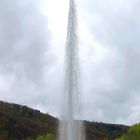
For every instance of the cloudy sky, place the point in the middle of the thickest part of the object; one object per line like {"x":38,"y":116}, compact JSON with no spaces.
{"x":32,"y":42}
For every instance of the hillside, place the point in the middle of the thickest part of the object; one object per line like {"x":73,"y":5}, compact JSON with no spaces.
{"x":19,"y":122}
{"x":102,"y":131}
{"x":132,"y":134}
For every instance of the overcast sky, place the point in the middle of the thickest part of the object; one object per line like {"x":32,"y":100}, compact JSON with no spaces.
{"x":32,"y":42}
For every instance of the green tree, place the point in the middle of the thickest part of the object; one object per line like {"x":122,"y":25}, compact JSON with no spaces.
{"x":132,"y":134}
{"x":45,"y":137}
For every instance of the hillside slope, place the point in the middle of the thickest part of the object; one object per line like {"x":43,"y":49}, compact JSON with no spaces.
{"x":102,"y":131}
{"x":132,"y":134}
{"x":19,"y":122}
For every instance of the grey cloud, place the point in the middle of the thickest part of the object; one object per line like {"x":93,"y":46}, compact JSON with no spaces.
{"x":24,"y":44}
{"x":31,"y":73}
{"x":24,"y":37}
{"x":116,"y":26}
{"x":30,"y":70}
{"x":29,"y":66}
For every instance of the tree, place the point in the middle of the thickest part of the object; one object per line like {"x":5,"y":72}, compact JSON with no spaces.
{"x":45,"y":137}
{"x":132,"y":134}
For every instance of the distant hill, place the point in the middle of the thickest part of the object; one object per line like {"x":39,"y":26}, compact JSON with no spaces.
{"x":19,"y":122}
{"x":102,"y":131}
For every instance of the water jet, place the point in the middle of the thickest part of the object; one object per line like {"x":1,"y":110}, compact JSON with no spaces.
{"x":71,"y":127}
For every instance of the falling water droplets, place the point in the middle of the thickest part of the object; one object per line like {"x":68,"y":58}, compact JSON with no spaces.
{"x":70,"y":125}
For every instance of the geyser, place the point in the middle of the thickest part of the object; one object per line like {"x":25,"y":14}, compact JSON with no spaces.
{"x":71,"y":127}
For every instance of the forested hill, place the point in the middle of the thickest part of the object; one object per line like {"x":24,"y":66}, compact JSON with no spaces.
{"x":19,"y":122}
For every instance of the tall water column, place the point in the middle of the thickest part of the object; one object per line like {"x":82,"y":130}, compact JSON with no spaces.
{"x":71,"y":127}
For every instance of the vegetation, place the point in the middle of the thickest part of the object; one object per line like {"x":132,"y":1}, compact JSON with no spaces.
{"x":45,"y":137}
{"x":19,"y":122}
{"x":132,"y":134}
{"x":22,"y":123}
